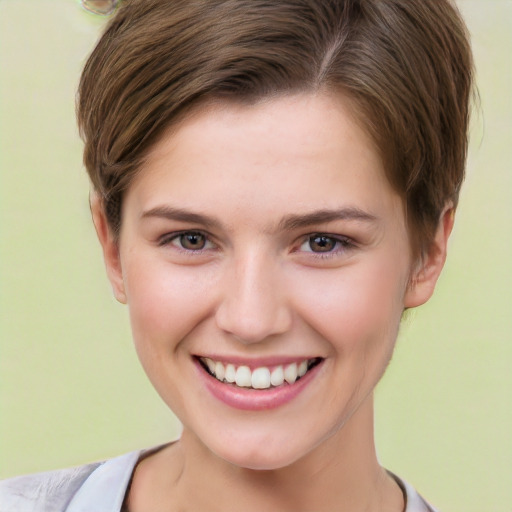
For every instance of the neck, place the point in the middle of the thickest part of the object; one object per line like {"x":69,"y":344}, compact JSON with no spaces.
{"x":340,"y":474}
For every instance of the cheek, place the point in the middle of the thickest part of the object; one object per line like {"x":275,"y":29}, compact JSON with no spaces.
{"x":165,"y":301}
{"x":355,"y":308}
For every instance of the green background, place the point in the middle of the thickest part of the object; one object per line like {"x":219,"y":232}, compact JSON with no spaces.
{"x":71,"y":387}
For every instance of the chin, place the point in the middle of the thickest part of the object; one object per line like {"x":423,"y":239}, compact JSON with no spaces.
{"x":259,"y":455}
{"x":260,"y":461}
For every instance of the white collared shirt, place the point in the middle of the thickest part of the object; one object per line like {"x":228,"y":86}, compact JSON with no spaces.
{"x":101,"y":487}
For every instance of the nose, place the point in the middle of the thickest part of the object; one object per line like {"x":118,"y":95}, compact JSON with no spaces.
{"x":253,"y":305}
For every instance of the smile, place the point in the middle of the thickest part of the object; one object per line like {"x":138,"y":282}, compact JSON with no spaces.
{"x":262,"y":377}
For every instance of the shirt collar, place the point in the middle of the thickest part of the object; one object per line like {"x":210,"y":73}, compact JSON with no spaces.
{"x":105,"y":488}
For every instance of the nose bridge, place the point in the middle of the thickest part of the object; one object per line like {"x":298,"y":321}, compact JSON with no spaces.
{"x":253,"y":305}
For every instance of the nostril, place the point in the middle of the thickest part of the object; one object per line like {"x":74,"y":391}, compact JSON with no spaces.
{"x":252,"y":327}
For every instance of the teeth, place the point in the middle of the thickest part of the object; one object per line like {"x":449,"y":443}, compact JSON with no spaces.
{"x":210,"y":364}
{"x":219,"y":371}
{"x":230,"y":374}
{"x":277,"y":376}
{"x":260,"y":378}
{"x":290,"y":373}
{"x":243,"y":377}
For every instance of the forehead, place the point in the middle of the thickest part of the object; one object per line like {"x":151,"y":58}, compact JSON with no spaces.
{"x":302,"y":119}
{"x":297,"y":152}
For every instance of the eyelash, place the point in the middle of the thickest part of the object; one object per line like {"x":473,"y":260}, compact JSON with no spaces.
{"x":169,"y":238}
{"x":341,"y":243}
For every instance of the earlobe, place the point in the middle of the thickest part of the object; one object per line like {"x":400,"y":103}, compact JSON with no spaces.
{"x":424,"y":278}
{"x":110,"y":248}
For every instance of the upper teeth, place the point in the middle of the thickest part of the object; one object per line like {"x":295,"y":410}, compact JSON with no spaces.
{"x":259,"y":378}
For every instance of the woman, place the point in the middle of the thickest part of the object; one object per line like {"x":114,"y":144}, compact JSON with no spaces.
{"x":274,"y":184}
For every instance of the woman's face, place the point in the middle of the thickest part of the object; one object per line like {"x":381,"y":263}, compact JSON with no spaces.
{"x":257,"y":242}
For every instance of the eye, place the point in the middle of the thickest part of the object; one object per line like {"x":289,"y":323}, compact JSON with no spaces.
{"x":192,"y":241}
{"x":323,"y":243}
{"x":188,"y":241}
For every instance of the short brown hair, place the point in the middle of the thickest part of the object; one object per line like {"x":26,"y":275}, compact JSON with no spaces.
{"x":406,"y":66}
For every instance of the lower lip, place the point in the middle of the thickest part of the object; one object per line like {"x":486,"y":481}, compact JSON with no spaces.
{"x":255,"y":399}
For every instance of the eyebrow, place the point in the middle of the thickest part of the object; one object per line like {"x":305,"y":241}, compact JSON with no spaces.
{"x":324,"y":216}
{"x":288,"y":223}
{"x":180,"y":214}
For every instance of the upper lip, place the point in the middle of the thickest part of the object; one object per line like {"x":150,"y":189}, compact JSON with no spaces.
{"x":257,"y":362}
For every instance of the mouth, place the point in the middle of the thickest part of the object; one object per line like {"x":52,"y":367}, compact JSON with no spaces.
{"x":260,"y":377}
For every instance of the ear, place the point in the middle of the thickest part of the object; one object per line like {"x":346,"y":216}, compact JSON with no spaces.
{"x":110,"y":247}
{"x":424,"y":277}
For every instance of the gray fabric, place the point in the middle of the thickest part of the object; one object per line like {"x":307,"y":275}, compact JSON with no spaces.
{"x":101,"y":487}
{"x":413,"y":501}
{"x":43,"y":492}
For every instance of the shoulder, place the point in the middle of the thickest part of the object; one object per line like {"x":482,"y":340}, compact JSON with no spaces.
{"x":414,"y":501}
{"x":43,"y":492}
{"x":93,"y":487}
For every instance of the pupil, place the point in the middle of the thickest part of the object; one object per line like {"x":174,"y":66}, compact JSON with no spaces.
{"x":193,"y":241}
{"x":322,"y":243}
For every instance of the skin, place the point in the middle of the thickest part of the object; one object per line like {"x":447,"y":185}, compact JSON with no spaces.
{"x":260,"y":287}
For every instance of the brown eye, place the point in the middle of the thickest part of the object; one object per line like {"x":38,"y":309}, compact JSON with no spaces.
{"x":322,"y":243}
{"x":192,"y":241}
